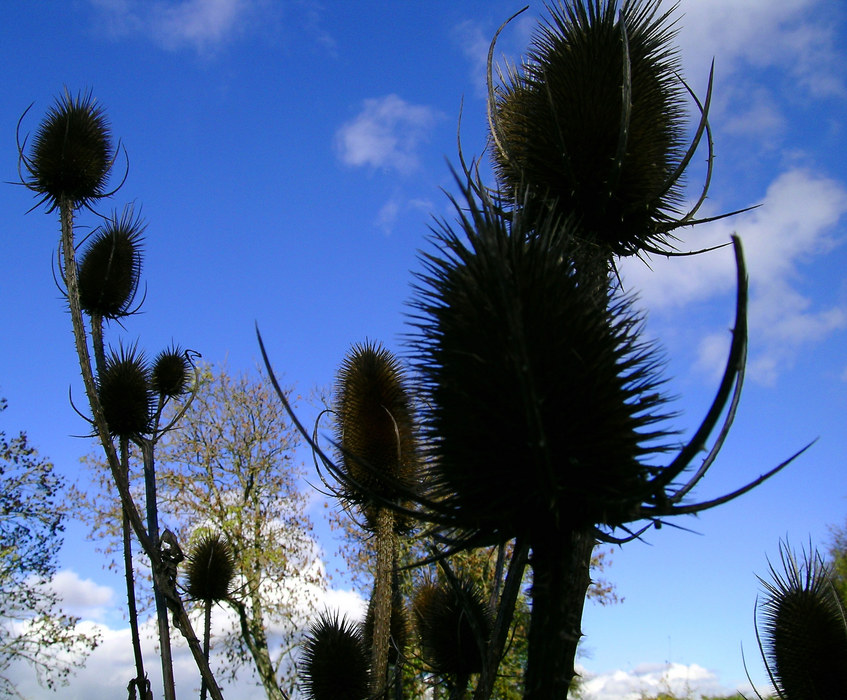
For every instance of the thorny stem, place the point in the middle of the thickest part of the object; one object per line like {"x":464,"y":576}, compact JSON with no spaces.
{"x":158,"y":596}
{"x":207,"y":634}
{"x":141,"y":682}
{"x":150,"y":547}
{"x":385,"y":547}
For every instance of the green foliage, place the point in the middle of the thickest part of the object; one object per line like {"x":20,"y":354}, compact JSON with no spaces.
{"x":33,"y":628}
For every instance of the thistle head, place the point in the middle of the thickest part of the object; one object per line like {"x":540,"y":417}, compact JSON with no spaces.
{"x":171,"y":374}
{"x":334,"y":663}
{"x":805,"y":629}
{"x":124,"y":390}
{"x":210,"y":570}
{"x":454,"y":624}
{"x":375,"y":429}
{"x":592,"y":123}
{"x":71,"y":153}
{"x":539,"y":398}
{"x":110,"y":267}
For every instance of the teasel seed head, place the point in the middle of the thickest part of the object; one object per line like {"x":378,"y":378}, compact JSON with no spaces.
{"x":445,"y":618}
{"x":334,"y":665}
{"x":593,"y":123}
{"x":110,"y":267}
{"x":171,"y":375}
{"x":124,"y":391}
{"x":375,"y":429}
{"x":804,"y":636}
{"x":210,"y":570}
{"x":539,"y":399}
{"x":71,"y":153}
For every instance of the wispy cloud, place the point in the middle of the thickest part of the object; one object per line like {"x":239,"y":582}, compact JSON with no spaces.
{"x":386,"y":134}
{"x":202,"y":25}
{"x":796,"y":224}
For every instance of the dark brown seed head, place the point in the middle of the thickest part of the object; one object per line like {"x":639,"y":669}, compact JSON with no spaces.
{"x":124,"y":390}
{"x":334,"y":665}
{"x":171,"y":374}
{"x":210,"y":570}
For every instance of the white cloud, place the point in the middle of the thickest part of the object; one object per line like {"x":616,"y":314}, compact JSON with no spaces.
{"x":650,"y":679}
{"x":386,"y":134}
{"x":789,"y":34}
{"x":110,"y":666}
{"x":795,"y":224}
{"x":82,"y":597}
{"x":199,"y":24}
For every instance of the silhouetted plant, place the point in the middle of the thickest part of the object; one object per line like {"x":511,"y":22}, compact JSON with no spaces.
{"x":335,"y":660}
{"x":803,"y":637}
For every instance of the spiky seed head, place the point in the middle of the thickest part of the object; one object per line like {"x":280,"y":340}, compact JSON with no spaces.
{"x":71,"y":153}
{"x":210,"y":570}
{"x":445,"y":617}
{"x":805,"y":629}
{"x":110,"y":267}
{"x":538,"y":397}
{"x":171,"y":373}
{"x":334,"y":664}
{"x":124,"y":390}
{"x":565,"y":128}
{"x":375,"y":424}
{"x":399,"y":626}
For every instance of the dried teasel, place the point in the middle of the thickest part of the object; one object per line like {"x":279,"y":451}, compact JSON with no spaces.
{"x":803,"y":635}
{"x":123,"y":386}
{"x":110,"y":267}
{"x":592,"y":124}
{"x":540,"y":400}
{"x":71,"y":154}
{"x":454,"y":624}
{"x":171,"y":373}
{"x":334,"y":664}
{"x":210,"y":570}
{"x":399,"y":626}
{"x":375,"y":429}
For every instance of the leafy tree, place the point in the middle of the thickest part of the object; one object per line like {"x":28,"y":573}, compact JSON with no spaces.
{"x":33,"y":627}
{"x":838,"y":560}
{"x":229,"y":470}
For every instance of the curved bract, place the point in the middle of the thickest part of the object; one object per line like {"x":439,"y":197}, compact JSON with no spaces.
{"x":593,"y":123}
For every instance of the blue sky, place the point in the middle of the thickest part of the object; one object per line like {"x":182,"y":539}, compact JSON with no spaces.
{"x":287,"y":157}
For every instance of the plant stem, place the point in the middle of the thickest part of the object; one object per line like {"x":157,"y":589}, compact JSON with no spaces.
{"x":561,"y":576}
{"x":161,"y":606}
{"x":385,"y":540}
{"x":141,"y":682}
{"x":207,"y":634}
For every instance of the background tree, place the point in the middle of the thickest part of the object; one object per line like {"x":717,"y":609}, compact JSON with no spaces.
{"x":356,"y":549}
{"x":33,"y":627}
{"x":838,"y":560}
{"x":229,"y":469}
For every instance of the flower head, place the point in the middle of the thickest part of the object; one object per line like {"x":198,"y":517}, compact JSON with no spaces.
{"x":71,"y":154}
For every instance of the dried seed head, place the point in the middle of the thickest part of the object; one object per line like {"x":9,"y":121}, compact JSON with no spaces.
{"x":445,"y":618}
{"x":71,"y":153}
{"x":374,"y":425}
{"x":110,"y":267}
{"x":210,"y":570}
{"x":538,"y":396}
{"x":171,"y":374}
{"x":334,"y":664}
{"x":124,"y":390}
{"x":593,"y":123}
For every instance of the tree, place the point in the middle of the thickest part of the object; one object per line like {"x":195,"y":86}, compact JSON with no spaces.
{"x":838,"y":560}
{"x":229,"y":469}
{"x":33,"y":627}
